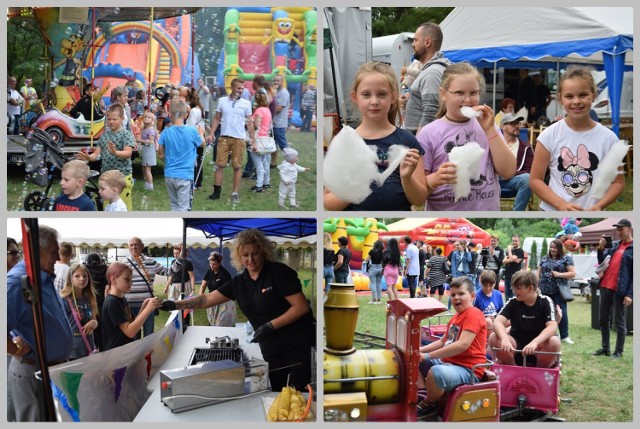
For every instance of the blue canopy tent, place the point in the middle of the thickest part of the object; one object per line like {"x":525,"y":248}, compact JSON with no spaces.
{"x":539,"y":37}
{"x":225,"y":229}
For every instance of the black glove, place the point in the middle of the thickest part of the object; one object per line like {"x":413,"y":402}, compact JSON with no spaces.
{"x":263,"y":332}
{"x":168,"y":305}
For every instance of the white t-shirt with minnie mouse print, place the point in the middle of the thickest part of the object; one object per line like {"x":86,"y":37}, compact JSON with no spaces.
{"x":574,"y":160}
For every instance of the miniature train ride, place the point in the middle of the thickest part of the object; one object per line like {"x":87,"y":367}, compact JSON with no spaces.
{"x":381,"y":384}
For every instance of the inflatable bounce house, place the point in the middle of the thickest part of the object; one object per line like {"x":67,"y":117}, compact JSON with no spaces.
{"x":271,"y":41}
{"x":361,"y":233}
{"x":440,"y":232}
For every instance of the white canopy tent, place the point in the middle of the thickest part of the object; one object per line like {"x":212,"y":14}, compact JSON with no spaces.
{"x":112,"y":232}
{"x":541,"y":37}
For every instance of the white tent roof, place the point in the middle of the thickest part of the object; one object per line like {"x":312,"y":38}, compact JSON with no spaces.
{"x":383,"y":44}
{"x":535,"y":33}
{"x":111,"y":232}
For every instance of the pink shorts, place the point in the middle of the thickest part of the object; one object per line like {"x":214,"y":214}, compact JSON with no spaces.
{"x":391,"y":274}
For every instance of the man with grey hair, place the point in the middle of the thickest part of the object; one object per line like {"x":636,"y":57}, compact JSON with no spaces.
{"x":144,"y":270}
{"x":424,"y":97}
{"x":21,"y":341}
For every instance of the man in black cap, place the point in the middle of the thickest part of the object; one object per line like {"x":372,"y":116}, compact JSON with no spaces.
{"x":616,"y":287}
{"x":510,"y":125}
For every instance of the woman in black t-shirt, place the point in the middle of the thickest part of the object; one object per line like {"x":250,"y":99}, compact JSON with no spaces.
{"x":328,"y":256}
{"x":269,"y":293}
{"x":224,"y":314}
{"x":374,"y":269}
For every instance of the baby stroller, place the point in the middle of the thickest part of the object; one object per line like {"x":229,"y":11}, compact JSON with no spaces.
{"x":43,"y":166}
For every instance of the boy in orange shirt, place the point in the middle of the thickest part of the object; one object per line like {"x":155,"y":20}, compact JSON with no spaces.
{"x":448,"y":362}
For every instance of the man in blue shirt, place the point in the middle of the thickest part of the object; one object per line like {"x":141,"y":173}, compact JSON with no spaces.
{"x":21,"y":344}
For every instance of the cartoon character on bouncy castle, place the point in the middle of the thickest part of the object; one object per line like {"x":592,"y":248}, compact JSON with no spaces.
{"x":282,"y":35}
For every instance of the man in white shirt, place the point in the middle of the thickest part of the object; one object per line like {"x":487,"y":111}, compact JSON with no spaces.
{"x":204,"y":95}
{"x":15,"y":101}
{"x":412,"y":265}
{"x":281,"y":118}
{"x":233,"y":115}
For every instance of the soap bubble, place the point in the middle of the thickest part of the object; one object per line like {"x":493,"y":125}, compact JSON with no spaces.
{"x":41,"y":164}
{"x":41,"y":67}
{"x":24,"y":23}
{"x":27,"y":177}
{"x":116,"y":10}
{"x":42,"y":171}
{"x":68,"y":31}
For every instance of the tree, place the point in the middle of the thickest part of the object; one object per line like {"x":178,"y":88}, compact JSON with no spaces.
{"x":533,"y":256}
{"x":545,"y":247}
{"x":393,"y":20}
{"x":25,"y":49}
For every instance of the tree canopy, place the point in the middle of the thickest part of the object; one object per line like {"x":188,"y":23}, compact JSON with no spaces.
{"x":393,"y":20}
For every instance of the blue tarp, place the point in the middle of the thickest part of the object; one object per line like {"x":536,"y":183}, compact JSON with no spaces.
{"x":504,"y":36}
{"x":226,"y":228}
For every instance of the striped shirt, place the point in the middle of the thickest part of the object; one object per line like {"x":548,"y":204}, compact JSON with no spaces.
{"x":437,"y":275}
{"x":139,"y":289}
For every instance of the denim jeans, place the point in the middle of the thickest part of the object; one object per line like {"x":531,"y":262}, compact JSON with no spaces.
{"x":329,"y":276}
{"x":375,"y":281}
{"x":280,"y":136}
{"x":341,"y":277}
{"x":263,"y":174}
{"x":520,"y":184}
{"x":563,"y":326}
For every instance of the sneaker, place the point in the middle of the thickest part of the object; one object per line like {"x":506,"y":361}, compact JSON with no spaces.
{"x":267,"y":186}
{"x":235,"y":198}
{"x":616,"y":355}
{"x":568,"y":340}
{"x":372,"y":302}
{"x":272,"y":166}
{"x":426,"y":411}
{"x":294,"y":206}
{"x":246,"y":175}
{"x":282,"y":207}
{"x":257,"y":189}
{"x":601,"y":352}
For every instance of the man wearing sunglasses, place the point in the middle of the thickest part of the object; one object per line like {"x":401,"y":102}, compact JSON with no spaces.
{"x":510,"y":125}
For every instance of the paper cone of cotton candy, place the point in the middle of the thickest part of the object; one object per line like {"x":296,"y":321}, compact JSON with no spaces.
{"x":350,"y":166}
{"x":467,"y":159}
{"x":609,"y":168}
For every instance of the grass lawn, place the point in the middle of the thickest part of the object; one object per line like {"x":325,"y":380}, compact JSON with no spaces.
{"x":594,"y":389}
{"x":157,"y":200}
{"x":200,"y":318}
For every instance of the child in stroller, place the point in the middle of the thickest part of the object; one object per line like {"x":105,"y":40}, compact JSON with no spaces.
{"x":43,"y":165}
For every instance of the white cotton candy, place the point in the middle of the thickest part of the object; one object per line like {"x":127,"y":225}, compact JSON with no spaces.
{"x":608,"y":168}
{"x":395,"y":156}
{"x":350,"y":166}
{"x":467,"y":159}
{"x":470,"y":112}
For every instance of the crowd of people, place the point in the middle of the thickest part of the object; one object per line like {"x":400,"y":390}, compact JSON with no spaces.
{"x":180,"y":124}
{"x":460,"y":154}
{"x":91,"y":306}
{"x":531,"y":317}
